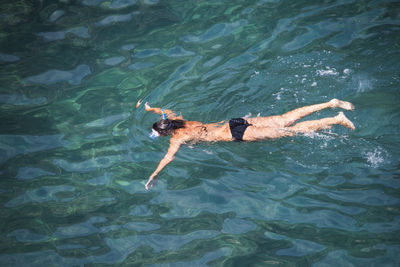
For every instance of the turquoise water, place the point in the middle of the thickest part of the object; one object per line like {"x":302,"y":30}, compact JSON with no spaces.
{"x":75,"y":153}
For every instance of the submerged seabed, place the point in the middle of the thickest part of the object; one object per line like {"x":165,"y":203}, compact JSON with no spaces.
{"x":75,"y":153}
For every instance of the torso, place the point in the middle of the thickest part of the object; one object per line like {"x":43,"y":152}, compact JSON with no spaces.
{"x":195,"y":131}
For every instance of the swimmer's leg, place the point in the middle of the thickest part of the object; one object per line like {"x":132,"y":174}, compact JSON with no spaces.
{"x":326,"y":123}
{"x":254,"y":133}
{"x":291,"y":117}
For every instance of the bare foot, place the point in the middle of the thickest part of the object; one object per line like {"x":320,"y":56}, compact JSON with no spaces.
{"x":344,"y":121}
{"x":336,"y":103}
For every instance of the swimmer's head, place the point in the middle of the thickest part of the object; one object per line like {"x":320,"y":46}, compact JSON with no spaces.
{"x":166,"y":127}
{"x":162,"y":128}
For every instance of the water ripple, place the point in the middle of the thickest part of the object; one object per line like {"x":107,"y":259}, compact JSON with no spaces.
{"x":56,"y":15}
{"x":8,"y":58}
{"x":12,"y":145}
{"x":21,"y":100}
{"x":216,"y":31}
{"x":72,"y":193}
{"x":301,"y":248}
{"x":73,"y":77}
{"x":115,"y":19}
{"x":27,"y":173}
{"x":81,"y":32}
{"x":42,"y":194}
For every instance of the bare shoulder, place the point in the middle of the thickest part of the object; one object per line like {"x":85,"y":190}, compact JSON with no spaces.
{"x":191,"y":124}
{"x":180,"y":136}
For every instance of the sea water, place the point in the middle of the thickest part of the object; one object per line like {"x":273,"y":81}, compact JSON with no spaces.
{"x":75,"y":152}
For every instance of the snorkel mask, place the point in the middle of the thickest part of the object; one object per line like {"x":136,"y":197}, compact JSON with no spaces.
{"x":154,"y":134}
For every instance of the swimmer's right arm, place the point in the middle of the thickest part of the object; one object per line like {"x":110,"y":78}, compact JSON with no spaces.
{"x":170,"y":114}
{"x":168,"y":158}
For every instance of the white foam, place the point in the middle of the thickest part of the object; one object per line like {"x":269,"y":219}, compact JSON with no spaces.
{"x":363,"y":85}
{"x":279,"y":94}
{"x":327,"y":136}
{"x":375,"y":158}
{"x":327,"y":72}
{"x":254,"y":74}
{"x":209,"y":152}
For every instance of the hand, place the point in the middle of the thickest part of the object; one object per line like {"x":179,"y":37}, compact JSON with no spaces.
{"x":139,"y":103}
{"x":147,"y":106}
{"x":151,"y":182}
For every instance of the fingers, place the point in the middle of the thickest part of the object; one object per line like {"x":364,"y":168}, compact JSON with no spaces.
{"x":147,"y":185}
{"x":139,"y":103}
{"x":150,"y":183}
{"x":146,"y":105}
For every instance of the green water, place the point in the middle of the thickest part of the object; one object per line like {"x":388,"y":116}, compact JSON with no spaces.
{"x":75,"y":153}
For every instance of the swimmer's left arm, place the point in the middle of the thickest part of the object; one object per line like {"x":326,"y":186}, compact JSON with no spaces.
{"x":170,"y":114}
{"x":169,"y":157}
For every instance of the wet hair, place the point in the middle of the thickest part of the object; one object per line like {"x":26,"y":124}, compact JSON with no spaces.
{"x":166,"y":127}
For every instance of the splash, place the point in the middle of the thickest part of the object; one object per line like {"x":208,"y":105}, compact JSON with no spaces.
{"x":375,"y":158}
{"x":328,"y":72}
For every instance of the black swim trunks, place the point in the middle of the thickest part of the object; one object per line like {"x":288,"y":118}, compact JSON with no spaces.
{"x":238,"y":126}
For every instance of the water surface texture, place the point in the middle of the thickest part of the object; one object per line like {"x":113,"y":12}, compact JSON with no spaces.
{"x":75,"y":153}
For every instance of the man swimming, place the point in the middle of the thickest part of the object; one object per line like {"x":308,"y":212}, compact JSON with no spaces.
{"x":239,"y":129}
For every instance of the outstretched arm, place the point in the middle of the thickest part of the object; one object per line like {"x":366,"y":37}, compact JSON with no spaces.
{"x":170,"y":114}
{"x":173,"y":148}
